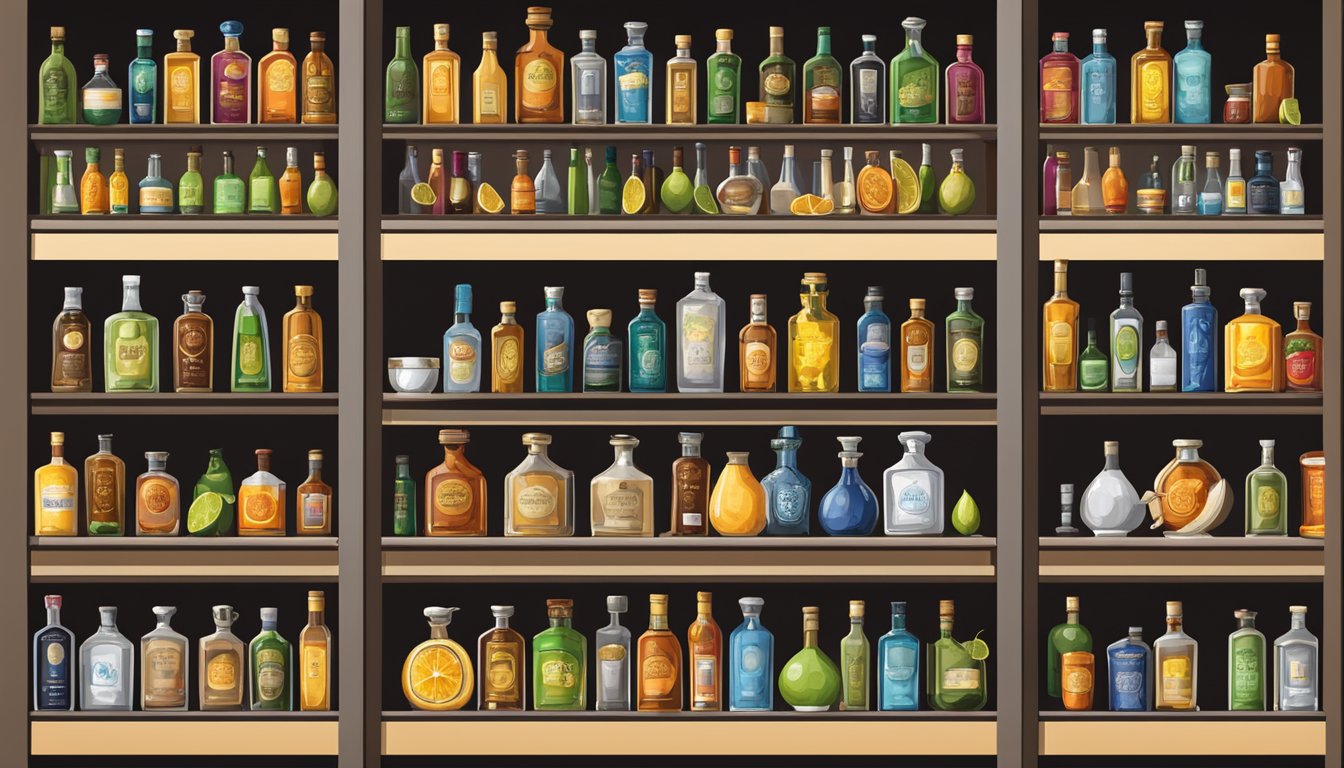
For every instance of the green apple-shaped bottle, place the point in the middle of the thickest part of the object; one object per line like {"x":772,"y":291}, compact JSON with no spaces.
{"x":810,"y":681}
{"x":966,"y":515}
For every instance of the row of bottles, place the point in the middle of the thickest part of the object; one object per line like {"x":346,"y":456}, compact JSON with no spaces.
{"x":438,"y":675}
{"x":1258,"y":357}
{"x":1107,"y":193}
{"x":747,"y":189}
{"x":540,"y":498}
{"x":1166,"y":676}
{"x":1190,"y":497}
{"x":539,"y":90}
{"x":131,"y":345}
{"x":258,"y":502}
{"x":259,"y":193}
{"x":1163,"y":88}
{"x":813,"y":346}
{"x":285,"y":92}
{"x":259,"y":676}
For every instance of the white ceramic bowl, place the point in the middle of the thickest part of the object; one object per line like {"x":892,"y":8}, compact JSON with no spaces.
{"x":418,"y":375}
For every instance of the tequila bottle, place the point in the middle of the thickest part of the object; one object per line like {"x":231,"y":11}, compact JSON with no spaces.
{"x":957,"y":679}
{"x":1064,"y":638}
{"x":1129,"y":669}
{"x":751,"y":657}
{"x":1126,"y":333}
{"x":588,"y":75}
{"x":681,"y":88}
{"x":181,"y":81}
{"x":867,"y":86}
{"x":1093,"y":364}
{"x":1176,"y":658}
{"x":100,"y":98}
{"x":1271,"y":83}
{"x":1199,"y":345}
{"x":301,"y":328}
{"x":315,"y":657}
{"x":318,"y":82}
{"x":914,"y":78}
{"x":912,"y":490}
{"x":105,"y":491}
{"x":756,"y":349}
{"x":190,"y":187}
{"x":787,"y":490}
{"x":855,"y":661}
{"x":777,"y":75}
{"x":262,"y":194}
{"x":401,"y":97}
{"x":313,"y":496}
{"x":740,"y":193}
{"x":559,"y":680}
{"x":737,"y":506}
{"x":1060,"y":322}
{"x":822,"y":83}
{"x":271,"y":667}
{"x":602,"y":354}
{"x":1303,"y":351}
{"x":442,"y":91}
{"x":1234,"y":191}
{"x":1193,"y":93}
{"x":278,"y":82}
{"x":1059,"y":81}
{"x":155,"y":193}
{"x":157,"y":498}
{"x":1292,"y":197}
{"x":231,"y":79}
{"x":634,"y":77}
{"x":612,"y":644}
{"x":437,"y":675}
{"x":404,"y":515}
{"x":647,"y":332}
{"x":555,"y":344}
{"x":810,"y":681}
{"x":164,"y":665}
{"x":814,"y":359}
{"x":1114,"y":185}
{"x":1150,"y":79}
{"x":1254,"y":349}
{"x":106,"y":667}
{"x":965,"y":340}
{"x":251,"y":363}
{"x":489,"y":84}
{"x":1262,"y":190}
{"x":1110,"y":505}
{"x":131,"y":341}
{"x":56,"y":494}
{"x":71,"y":367}
{"x":261,"y":498}
{"x":690,"y":488}
{"x":1246,"y":665}
{"x":849,"y":508}
{"x":704,"y":648}
{"x":506,"y":351}
{"x":53,"y":665}
{"x":874,"y":344}
{"x":1210,"y":201}
{"x":1097,"y":80}
{"x":786,"y":190}
{"x":659,"y":663}
{"x":290,"y":184}
{"x":1162,"y":362}
{"x":549,"y":191}
{"x":723,"y":81}
{"x":462,"y":346}
{"x":622,"y":496}
{"x":1266,"y":496}
{"x":538,"y":494}
{"x":1296,"y":666}
{"x":455,"y":491}
{"x":56,"y":84}
{"x":965,"y":86}
{"x":230,"y":192}
{"x":501,"y":665}
{"x":700,"y":339}
{"x":898,"y":653}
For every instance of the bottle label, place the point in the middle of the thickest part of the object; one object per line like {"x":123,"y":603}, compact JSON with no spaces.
{"x":231,"y":91}
{"x":1236,"y":195}
{"x":163,"y":670}
{"x":660,"y":675}
{"x":55,"y":90}
{"x":303,"y":353}
{"x":58,"y":508}
{"x":316,"y":508}
{"x":915,"y":89}
{"x":1301,"y":362}
{"x":1247,"y":678}
{"x":102,"y":99}
{"x":757,"y":358}
{"x":507,"y":360}
{"x":261,"y":191}
{"x":182,"y":89}
{"x":875,"y":356}
{"x":156,"y":496}
{"x":314,"y":670}
{"x":1077,"y":680}
{"x":778,"y":85}
{"x":856,"y":680}
{"x":1126,"y":348}
{"x":488,"y":101}
{"x":221,"y":671}
{"x":623,"y":508}
{"x":1061,"y":343}
{"x":536,"y":499}
{"x":824,"y":98}
{"x":560,"y":674}
{"x":899,"y":667}
{"x":190,"y":195}
{"x":965,"y":357}
{"x":105,"y":679}
{"x":751,"y":675}
{"x":501,"y":674}
{"x":790,"y":505}
{"x":156,"y":197}
{"x":270,"y":673}
{"x":461,"y":361}
{"x":632,"y":90}
{"x":681,"y":85}
{"x":1185,"y":497}
{"x":1263,"y":198}
{"x":452,"y":497}
{"x":1153,"y":91}
{"x":261,"y":508}
{"x":555,"y":359}
{"x":1162,"y":372}
{"x":1177,"y":687}
{"x":401,"y":509}
{"x":440,"y":77}
{"x":961,"y":679}
{"x":612,"y":678}
{"x":229,"y":196}
{"x":967,"y":103}
{"x":250,"y":358}
{"x":118,"y":194}
{"x":723,"y":91}
{"x":539,"y":84}
{"x":913,"y":499}
{"x":1056,"y":93}
{"x":705,"y":674}
{"x":1292,"y":198}
{"x":104,"y":501}
{"x":648,"y":356}
{"x":1251,"y":352}
{"x":280,"y":76}
{"x":602,"y":366}
{"x":697,"y":344}
{"x":132,"y":359}
{"x":1267,"y":506}
{"x":317,"y":94}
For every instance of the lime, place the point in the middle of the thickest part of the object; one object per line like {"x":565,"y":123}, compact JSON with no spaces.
{"x":203,"y":516}
{"x":704,"y":200}
{"x":977,"y":648}
{"x":423,"y":194}
{"x":1289,"y":112}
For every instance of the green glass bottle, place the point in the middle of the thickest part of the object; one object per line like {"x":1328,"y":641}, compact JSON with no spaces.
{"x":251,"y":346}
{"x":322,"y":195}
{"x":217,"y":479}
{"x":914,"y":78}
{"x":1063,"y":638}
{"x":131,"y":341}
{"x":822,"y":83}
{"x":965,"y":346}
{"x":677,"y":188}
{"x":1246,"y":665}
{"x":777,"y":73}
{"x":1266,"y":496}
{"x":855,"y":660}
{"x":928,"y":183}
{"x":263,"y":196}
{"x":56,"y":87}
{"x":401,"y":102}
{"x":230,"y":191}
{"x":957,"y":679}
{"x":609,"y":186}
{"x":810,"y":681}
{"x":723,"y":79}
{"x":270,"y":662}
{"x":190,"y":188}
{"x":578,"y":184}
{"x":1094,"y":366}
{"x":559,"y":680}
{"x":404,"y":521}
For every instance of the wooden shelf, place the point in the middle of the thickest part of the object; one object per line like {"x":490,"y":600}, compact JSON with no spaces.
{"x":205,"y":734}
{"x":689,"y":734}
{"x":182,"y":404}
{"x":1181,"y":403}
{"x":1182,"y":238}
{"x":182,"y":558}
{"x":689,"y":134}
{"x":1160,"y":558}
{"x":1202,"y":224}
{"x":1180,"y":131}
{"x":183,"y":132}
{"x":691,"y":558}
{"x":183,"y":238}
{"x":1232,"y":734}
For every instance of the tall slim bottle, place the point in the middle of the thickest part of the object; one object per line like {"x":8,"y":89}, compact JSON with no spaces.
{"x":777,"y":76}
{"x":1266,"y":496}
{"x":647,"y":346}
{"x":442,"y":92}
{"x":301,"y":332}
{"x":501,"y":665}
{"x":1191,"y":69}
{"x":1272,"y":81}
{"x":555,"y":344}
{"x":1097,"y":82}
{"x":316,"y":655}
{"x":822,"y":83}
{"x":659,"y":664}
{"x":271,"y":667}
{"x":262,"y":192}
{"x":143,"y":80}
{"x":1126,"y":336}
{"x":53,"y":662}
{"x":612,"y":646}
{"x":71,"y":364}
{"x":682,"y":99}
{"x":1060,"y":373}
{"x":1199,"y":339}
{"x":1059,"y":82}
{"x":193,"y":346}
{"x":1246,"y":665}
{"x":105,"y":491}
{"x":898,"y":657}
{"x":56,"y":494}
{"x":786,"y":190}
{"x":318,"y":82}
{"x":965,"y":86}
{"x":401,"y":93}
{"x":489,"y":84}
{"x":182,"y":81}
{"x":874,"y":344}
{"x":855,"y":662}
{"x":723,"y":81}
{"x":589,"y":79}
{"x":867,"y":85}
{"x":704,"y":647}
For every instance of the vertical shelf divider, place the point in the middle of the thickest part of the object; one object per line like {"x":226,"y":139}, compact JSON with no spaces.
{"x":1332,"y":156}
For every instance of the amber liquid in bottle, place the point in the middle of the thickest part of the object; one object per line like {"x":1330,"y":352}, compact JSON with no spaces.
{"x":538,"y":74}
{"x":917,"y":350}
{"x":193,"y":346}
{"x":658,"y":687}
{"x":105,"y":491}
{"x":500,"y":659}
{"x":757,"y":343}
{"x":319,"y":82}
{"x":313,"y":500}
{"x":1060,"y":343}
{"x":277,"y":82}
{"x":302,"y":329}
{"x":70,"y":370}
{"x":454,"y":491}
{"x":690,"y":488}
{"x":506,"y":351}
{"x":706,"y":653}
{"x":522,"y":191}
{"x":1271,"y":83}
{"x":315,"y":654}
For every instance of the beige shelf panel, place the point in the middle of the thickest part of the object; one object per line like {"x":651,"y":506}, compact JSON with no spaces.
{"x":183,"y":246}
{"x":1192,"y":246}
{"x":187,"y":563}
{"x":187,"y":737}
{"x":1215,"y":557}
{"x":1177,"y":736}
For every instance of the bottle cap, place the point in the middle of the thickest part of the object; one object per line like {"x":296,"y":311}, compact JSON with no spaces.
{"x":554,"y":291}
{"x":303,"y":290}
{"x":489,"y":39}
{"x":1061,"y":265}
{"x":183,"y":34}
{"x":786,"y":439}
{"x":704,"y":597}
{"x":539,"y":17}
{"x":315,"y":455}
{"x":856,"y":609}
{"x":560,"y":608}
{"x":636,"y":28}
{"x":462,"y":295}
{"x":440,"y":616}
{"x":758,"y":304}
{"x":231,"y":28}
{"x":436,"y":156}
{"x":224,"y":615}
{"x":913,"y":22}
{"x":648,"y":295}
{"x":658,"y":605}
{"x":454,"y":437}
{"x":251,"y":290}
{"x":1266,"y":443}
{"x":1153,"y":26}
{"x":690,"y":438}
{"x":776,"y":31}
{"x":536,"y":438}
{"x":1066,"y":493}
{"x":811,"y":618}
{"x":1111,"y":447}
{"x":599,"y":318}
{"x":946,"y":609}
{"x":723,"y":34}
{"x":501,"y":611}
{"x":1253,"y":295}
{"x":317,"y":37}
{"x":403,"y":460}
{"x":682,"y":41}
{"x":440,"y":33}
{"x":280,"y":35}
{"x":751,"y":605}
{"x":624,"y":441}
{"x":898,"y":608}
{"x":1186,"y":443}
{"x":270,"y":614}
{"x":918,"y":305}
{"x":965,"y":39}
{"x":1242,"y":613}
{"x":914,"y":440}
{"x":317,"y":600}
{"x":1071,"y":604}
{"x":964,"y":294}
{"x":52,"y":601}
{"x":508,"y":308}
{"x":1302,"y":609}
{"x":1059,"y":36}
{"x":1126,"y":282}
{"x":1099,"y":35}
{"x":849,"y":447}
{"x":1174,"y":608}
{"x":617,"y":603}
{"x":587,"y":34}
{"x":1302,"y":310}
{"x":1188,"y":149}
{"x":1161,"y":326}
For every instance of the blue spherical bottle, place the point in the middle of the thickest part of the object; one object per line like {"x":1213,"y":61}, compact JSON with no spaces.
{"x":850,"y":508}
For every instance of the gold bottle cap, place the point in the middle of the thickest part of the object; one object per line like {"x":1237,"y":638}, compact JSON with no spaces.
{"x":454,"y":437}
{"x":560,"y":608}
{"x":280,"y":35}
{"x":440,"y":33}
{"x":303,"y":290}
{"x":317,"y":37}
{"x":1111,"y":448}
{"x":58,"y":33}
{"x":1271,"y":43}
{"x":58,"y":438}
{"x":682,"y":41}
{"x":436,"y":155}
{"x":536,"y":438}
{"x":1061,"y":265}
{"x":658,"y":605}
{"x":599,"y":318}
{"x":723,"y":34}
{"x":778,"y":32}
{"x":508,"y":307}
{"x":1174,"y":608}
{"x":1151,"y":26}
{"x":965,"y":39}
{"x":814,"y":278}
{"x":856,"y":609}
{"x":1062,"y":156}
{"x":315,"y":454}
{"x":648,"y":295}
{"x":811,"y":618}
{"x":946,"y":609}
{"x":1071,"y":604}
{"x":539,"y":17}
{"x":704,"y":597}
{"x":317,"y":600}
{"x":183,"y":34}
{"x":918,"y":304}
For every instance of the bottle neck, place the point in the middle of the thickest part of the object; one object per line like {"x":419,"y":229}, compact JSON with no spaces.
{"x":1267,"y":456}
{"x":1154,"y":39}
{"x":1061,"y":284}
{"x":690,"y":451}
{"x":964,"y":54}
{"x":1061,"y":46}
{"x":723,"y":46}
{"x":130,"y":298}
{"x":231,"y":44}
{"x":625,"y":456}
{"x":658,"y":621}
{"x":228,"y":165}
{"x":501,"y":622}
{"x":810,"y":638}
{"x":553,"y":304}
{"x":1187,"y":454}
{"x":823,"y":45}
{"x":53,"y":615}
{"x":1252,"y":307}
{"x":562,"y":621}
{"x":1299,"y":621}
{"x":403,"y":46}
{"x":1098,"y":48}
{"x":154,"y":168}
{"x":1112,"y":462}
{"x":787,"y":457}
{"x":316,"y":617}
{"x":1234,"y":166}
{"x":315,"y":469}
{"x":945,"y":626}
{"x":897,"y":621}
{"x":536,"y":37}
{"x":403,"y":471}
{"x":1071,"y":617}
{"x":184,"y":45}
{"x":915,"y":42}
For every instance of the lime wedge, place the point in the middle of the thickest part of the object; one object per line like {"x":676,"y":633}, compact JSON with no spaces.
{"x":977,"y":648}
{"x":704,"y":200}
{"x":203,"y":516}
{"x":423,"y":194}
{"x":1289,"y":112}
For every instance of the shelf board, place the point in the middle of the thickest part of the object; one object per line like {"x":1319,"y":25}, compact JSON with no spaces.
{"x":1127,"y":223}
{"x":180,"y":238}
{"x":1182,"y":404}
{"x":689,"y":134}
{"x":1160,"y":558}
{"x":405,"y":413}
{"x":1234,"y":734}
{"x":182,"y":132}
{"x":182,"y":404}
{"x":207,"y":734}
{"x":1182,"y":238}
{"x":1182,"y":131}
{"x":691,"y":558}
{"x":687,"y":734}
{"x":182,"y":558}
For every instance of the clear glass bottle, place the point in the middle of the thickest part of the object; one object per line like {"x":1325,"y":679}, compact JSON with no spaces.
{"x":814,"y":360}
{"x":1126,"y":334}
{"x":158,"y":508}
{"x":612,"y":646}
{"x":622,"y":495}
{"x":787,"y":490}
{"x":659,"y":663}
{"x":751,"y":656}
{"x":1262,"y":190}
{"x":261,"y":500}
{"x":539,"y":494}
{"x":1253,"y":354}
{"x":155,"y":193}
{"x":756,"y":168}
{"x":106,"y":667}
{"x":912,"y":491}
{"x":700,"y":339}
{"x":251,"y":348}
{"x":165,"y":665}
{"x":231,"y":79}
{"x":1296,"y":666}
{"x":501,"y":665}
{"x":53,"y":662}
{"x":740,"y":193}
{"x":1193,"y":94}
{"x":898,"y":654}
{"x":1199,"y":342}
{"x":786,"y":190}
{"x":1110,"y":505}
{"x":1097,"y":80}
{"x":1292,"y":196}
{"x":690,"y":488}
{"x":850,"y":507}
{"x":822,"y":77}
{"x":271,"y":667}
{"x":1234,"y":190}
{"x":1210,"y":200}
{"x":1176,"y":659}
{"x":1150,"y":79}
{"x":64,"y":199}
{"x":681,"y":85}
{"x":1184,"y":192}
{"x":222,"y":663}
{"x":647,"y":333}
{"x":1059,"y":82}
{"x":855,"y":662}
{"x":810,"y":681}
{"x":914,"y":78}
{"x":602,"y":354}
{"x":1162,"y":363}
{"x":958,"y":681}
{"x":867,"y":86}
{"x":550,"y":191}
{"x":462,"y":346}
{"x":874,"y":344}
{"x":1129,"y":672}
{"x":131,"y":341}
{"x":1246,"y":665}
{"x":844,"y":190}
{"x":723,"y":81}
{"x":100,"y":98}
{"x":555,"y":344}
{"x":965,"y":342}
{"x":737,"y":505}
{"x":1266,"y":496}
{"x":633,"y":69}
{"x":105,"y":491}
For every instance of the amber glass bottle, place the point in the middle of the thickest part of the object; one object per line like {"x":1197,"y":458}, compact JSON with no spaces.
{"x":1184,"y":485}
{"x":313,"y":500}
{"x":1060,"y":321}
{"x":501,"y":664}
{"x":522,"y":192}
{"x":538,"y":74}
{"x":319,"y":82}
{"x":1271,"y":83}
{"x":757,"y":343}
{"x":303,"y":344}
{"x":917,"y":350}
{"x":1302,"y":352}
{"x":193,"y":346}
{"x":659,"y":673}
{"x":506,"y":351}
{"x":1114,"y":186}
{"x":454,"y":490}
{"x":690,"y":488}
{"x":706,"y":653}
{"x":70,"y":369}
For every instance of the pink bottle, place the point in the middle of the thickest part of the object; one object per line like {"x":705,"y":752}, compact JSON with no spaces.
{"x":965,"y":86}
{"x":231,"y":79}
{"x":1059,"y":83}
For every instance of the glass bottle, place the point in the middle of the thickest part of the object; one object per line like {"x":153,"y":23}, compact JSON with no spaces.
{"x":1210,"y":200}
{"x":315,"y":657}
{"x":1114,"y":186}
{"x":313,"y":496}
{"x":651,"y":176}
{"x":277,"y":82}
{"x":1271,"y":83}
{"x":251,"y":365}
{"x":539,"y":494}
{"x":751,"y":655}
{"x":756,"y":349}
{"x":261,"y":499}
{"x":271,"y":664}
{"x":633,"y":65}
{"x":740,"y":193}
{"x":190,"y":188}
{"x":442,"y":90}
{"x":810,"y":681}
{"x":1199,"y":348}
{"x":690,"y":488}
{"x":118,"y":188}
{"x":612,"y":644}
{"x":437,"y":674}
{"x":602,"y":354}
{"x":462,"y":346}
{"x":676,"y":191}
{"x":501,"y":665}
{"x":193,"y":346}
{"x":622,"y":496}
{"x":850,"y":507}
{"x":777,"y":75}
{"x":549,"y":191}
{"x":647,"y":333}
{"x":704,"y":648}
{"x":681,"y":85}
{"x":56,"y":494}
{"x":106,"y":666}
{"x":401,"y":100}
{"x":913,"y":490}
{"x":1063,"y":197}
{"x":230,"y":192}
{"x":1093,"y":365}
{"x":231,"y":79}
{"x":1184,"y":485}
{"x":1060,"y":322}
{"x":155,"y":192}
{"x":814,"y":361}
{"x":855,"y":661}
{"x":875,"y":188}
{"x":1162,"y":363}
{"x":822,"y":79}
{"x":522,"y":192}
{"x":1292,"y":198}
{"x":965,"y":86}
{"x":1059,"y":81}
{"x":290,"y":184}
{"x":756,"y":168}
{"x":898,"y":652}
{"x":1253,"y":349}
{"x":405,"y":520}
{"x":217,"y":480}
{"x":1237,"y":108}
{"x":965,"y":339}
{"x":181,"y":81}
{"x":1150,"y":79}
{"x":787,"y":490}
{"x":590,"y":183}
{"x":1049,"y":182}
{"x":436,"y":182}
{"x":723,"y":81}
{"x":164,"y":665}
{"x":737,"y":506}
{"x":555,"y":344}
{"x":1266,"y":496}
{"x":157,"y":498}
{"x":659,"y":663}
{"x":1234,"y":192}
{"x":220,"y":655}
{"x":56,"y":84}
{"x":957,"y":680}
{"x":1064,"y":638}
{"x":1184,"y":197}
{"x":1129,"y":664}
{"x":63,"y":197}
{"x":1262,"y":190}
{"x":104,"y":491}
{"x":100,"y":98}
{"x":914,"y":78}
{"x":455,"y":491}
{"x":843,"y":191}
{"x":1303,"y":351}
{"x":322,"y":196}
{"x":1126,"y":334}
{"x":1110,"y":505}
{"x":1097,"y":81}
{"x":867,"y":89}
{"x":301,"y":329}
{"x":1313,"y":495}
{"x":1296,"y":668}
{"x":588,"y":75}
{"x":71,"y":369}
{"x":821,"y":177}
{"x":700,"y":339}
{"x":489,"y":84}
{"x":262,"y":193}
{"x":1193,"y":94}
{"x":1246,"y":665}
{"x":576,"y":191}
{"x":131,"y":341}
{"x":786,"y":190}
{"x":1087,"y":197}
{"x":318,"y":83}
{"x":874,"y":344}
{"x":956,"y":195}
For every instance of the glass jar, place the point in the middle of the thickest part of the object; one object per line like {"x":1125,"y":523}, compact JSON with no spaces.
{"x":1237,"y":108}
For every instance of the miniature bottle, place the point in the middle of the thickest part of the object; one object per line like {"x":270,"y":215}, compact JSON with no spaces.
{"x":1094,"y":367}
{"x":522,"y":192}
{"x":1271,"y":83}
{"x":681,"y":85}
{"x":1150,"y":79}
{"x":538,"y":71}
{"x":602,"y":354}
{"x":157,"y":498}
{"x":786,"y":190}
{"x":1126,"y":334}
{"x":1266,"y":496}
{"x":1253,"y":349}
{"x":612,"y":646}
{"x":1234,"y":190}
{"x":1078,"y":672}
{"x":855,"y":661}
{"x":1110,"y":505}
{"x":874,"y":344}
{"x":965,"y":339}
{"x":462,"y":346}
{"x":737,"y":506}
{"x":165,"y":665}
{"x":704,"y":650}
{"x":810,"y":681}
{"x":849,"y":508}
{"x":539,"y":494}
{"x":502,"y":665}
{"x":1199,"y":346}
{"x":1296,"y":666}
{"x":105,"y":491}
{"x":740,"y":194}
{"x":1129,"y":663}
{"x":231,"y":79}
{"x":442,"y":91}
{"x":1060,"y":324}
{"x":822,"y":78}
{"x":622,"y":495}
{"x":550,"y":192}
{"x":56,"y":86}
{"x":313,"y":511}
{"x":437,"y":674}
{"x":958,"y":678}
{"x":100,"y":98}
{"x":723,"y":81}
{"x":404,"y":515}
{"x":1059,"y":82}
{"x":659,"y":663}
{"x":898,"y":654}
{"x":814,"y":361}
{"x":913,"y":491}
{"x":71,"y":366}
{"x":690,"y":488}
{"x":917,"y":351}
{"x":1097,"y":83}
{"x":700,"y":339}
{"x":1063,"y":197}
{"x":914,"y":78}
{"x":53,"y":664}
{"x":647,"y":333}
{"x":489,"y":84}
{"x":555,"y":344}
{"x":751,"y":656}
{"x":1162,"y":362}
{"x":506,"y":351}
{"x":1303,"y":352}
{"x":1064,"y":638}
{"x":455,"y":491}
{"x":1246,"y":665}
{"x":106,"y":667}
{"x":1192,"y":95}
{"x":155,"y":193}
{"x":277,"y":82}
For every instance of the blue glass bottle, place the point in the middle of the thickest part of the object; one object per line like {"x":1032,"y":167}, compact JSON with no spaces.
{"x":874,"y":344}
{"x":788,"y":492}
{"x":555,"y":345}
{"x":1262,"y":191}
{"x":1199,"y":345}
{"x":850,"y":508}
{"x":1097,"y":73}
{"x":53,"y":666}
{"x":751,"y":661}
{"x":1192,"y":92}
{"x":648,"y":346}
{"x":143,"y":79}
{"x":1129,"y":668}
{"x":898,"y":653}
{"x":156,"y":192}
{"x":462,"y":347}
{"x":633,"y":66}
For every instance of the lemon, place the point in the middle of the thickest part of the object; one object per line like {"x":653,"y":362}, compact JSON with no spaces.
{"x":811,"y":205}
{"x":907,"y":186}
{"x":203,"y":516}
{"x":632,"y":196}
{"x":423,"y":194}
{"x":1289,"y":112}
{"x":977,"y":648}
{"x":433,"y":678}
{"x":488,"y":199}
{"x":704,"y":200}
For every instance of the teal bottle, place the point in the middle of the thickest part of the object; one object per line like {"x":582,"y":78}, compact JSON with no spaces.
{"x":156,"y":192}
{"x":751,"y":661}
{"x":559,"y":680}
{"x":143,"y":77}
{"x":1192,"y":99}
{"x":647,"y":364}
{"x":555,"y":345}
{"x":898,"y":664}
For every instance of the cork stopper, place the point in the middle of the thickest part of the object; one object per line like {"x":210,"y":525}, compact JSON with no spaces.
{"x":856,"y":609}
{"x":599,"y":318}
{"x":946,"y":609}
{"x":648,"y":295}
{"x":723,"y":34}
{"x":508,"y":307}
{"x":280,"y":35}
{"x":811,"y":619}
{"x":454,"y":437}
{"x":317,"y":601}
{"x":539,"y":17}
{"x":658,"y":605}
{"x":1071,"y":604}
{"x":560,"y":608}
{"x":1174,"y":608}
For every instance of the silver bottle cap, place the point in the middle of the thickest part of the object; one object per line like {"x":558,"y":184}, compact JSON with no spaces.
{"x":617,"y":603}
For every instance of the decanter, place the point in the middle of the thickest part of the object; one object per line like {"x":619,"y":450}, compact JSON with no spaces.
{"x":1110,"y":505}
